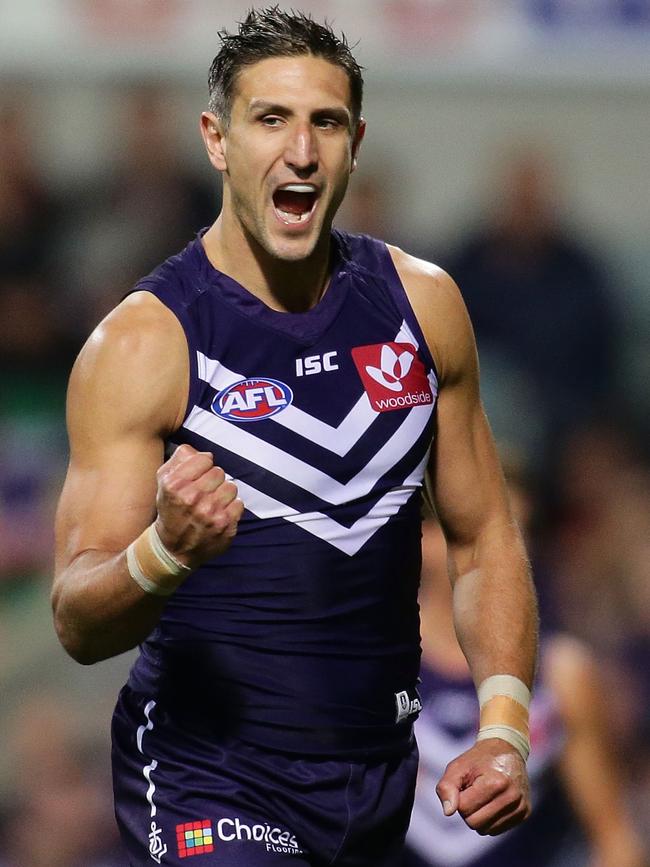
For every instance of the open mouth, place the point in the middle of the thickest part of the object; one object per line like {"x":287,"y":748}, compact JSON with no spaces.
{"x":294,"y":203}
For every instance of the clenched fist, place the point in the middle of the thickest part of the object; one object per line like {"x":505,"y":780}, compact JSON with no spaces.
{"x":198,"y":509}
{"x":488,"y":786}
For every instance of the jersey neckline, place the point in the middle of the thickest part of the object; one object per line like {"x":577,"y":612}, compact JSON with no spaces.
{"x":305,"y":327}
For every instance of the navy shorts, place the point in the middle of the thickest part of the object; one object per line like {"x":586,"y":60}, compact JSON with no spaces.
{"x":180,"y":796}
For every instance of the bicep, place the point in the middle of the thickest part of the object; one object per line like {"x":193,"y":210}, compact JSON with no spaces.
{"x":108,"y":497}
{"x":466,"y":479}
{"x":126,"y":391}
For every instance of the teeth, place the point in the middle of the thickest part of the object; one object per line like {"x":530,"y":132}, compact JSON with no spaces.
{"x":299,"y":188}
{"x":291,"y":218}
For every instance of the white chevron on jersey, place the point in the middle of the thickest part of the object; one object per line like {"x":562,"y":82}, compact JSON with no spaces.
{"x":349,"y":540}
{"x":232,"y":437}
{"x":338,"y":440}
{"x":405,"y":335}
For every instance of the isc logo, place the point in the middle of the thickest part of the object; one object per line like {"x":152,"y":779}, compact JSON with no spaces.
{"x":316,"y":363}
{"x":252,"y":399}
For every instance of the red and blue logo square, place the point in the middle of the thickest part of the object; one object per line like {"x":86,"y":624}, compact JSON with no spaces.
{"x":194,"y":838}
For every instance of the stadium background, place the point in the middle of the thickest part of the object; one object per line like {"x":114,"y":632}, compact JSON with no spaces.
{"x":480,"y":114}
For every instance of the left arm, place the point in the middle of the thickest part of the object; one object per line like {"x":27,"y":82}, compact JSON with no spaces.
{"x":494,"y":603}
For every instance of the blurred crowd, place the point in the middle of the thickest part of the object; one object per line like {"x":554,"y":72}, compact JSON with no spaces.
{"x":550,"y":329}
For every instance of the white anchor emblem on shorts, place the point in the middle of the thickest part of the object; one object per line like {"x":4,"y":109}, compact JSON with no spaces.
{"x":156,"y":846}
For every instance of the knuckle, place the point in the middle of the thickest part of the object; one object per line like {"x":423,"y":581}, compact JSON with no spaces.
{"x":230,"y":490}
{"x":216,"y":474}
{"x":203,"y":508}
{"x":171,"y":481}
{"x":498,"y":781}
{"x":218,"y":521}
{"x":188,"y":498}
{"x":168,"y":485}
{"x":205,"y":459}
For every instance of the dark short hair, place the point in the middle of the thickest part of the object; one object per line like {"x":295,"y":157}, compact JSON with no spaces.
{"x":272,"y":32}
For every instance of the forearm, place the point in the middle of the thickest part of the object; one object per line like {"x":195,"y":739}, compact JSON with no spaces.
{"x":495,"y":608}
{"x":99,"y":610}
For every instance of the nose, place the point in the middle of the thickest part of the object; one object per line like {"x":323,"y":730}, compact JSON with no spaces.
{"x":301,"y":152}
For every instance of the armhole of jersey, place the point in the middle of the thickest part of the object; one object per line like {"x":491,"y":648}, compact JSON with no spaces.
{"x":182,"y":314}
{"x":401,"y":298}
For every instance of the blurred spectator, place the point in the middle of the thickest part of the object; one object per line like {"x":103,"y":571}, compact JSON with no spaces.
{"x":538,"y":298}
{"x":61,"y":811}
{"x":35,"y":359}
{"x":365,"y":208}
{"x":147,"y":207}
{"x":601,"y":531}
{"x":596,"y":557}
{"x":28,"y":209}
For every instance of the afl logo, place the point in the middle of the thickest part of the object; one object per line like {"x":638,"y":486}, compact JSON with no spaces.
{"x":252,"y":399}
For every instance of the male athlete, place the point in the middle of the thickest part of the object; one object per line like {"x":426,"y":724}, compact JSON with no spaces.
{"x":250,"y":431}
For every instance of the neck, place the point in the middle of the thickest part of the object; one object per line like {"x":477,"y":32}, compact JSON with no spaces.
{"x":286,"y":286}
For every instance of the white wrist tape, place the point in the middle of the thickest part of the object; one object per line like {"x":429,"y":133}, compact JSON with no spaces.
{"x":504,"y":701}
{"x":152,"y":566}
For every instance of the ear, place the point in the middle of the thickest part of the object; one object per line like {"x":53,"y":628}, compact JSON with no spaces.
{"x":356,"y":144}
{"x":214,"y":139}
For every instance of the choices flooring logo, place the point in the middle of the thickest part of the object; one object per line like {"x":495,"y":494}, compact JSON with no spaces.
{"x":194,"y":838}
{"x":198,"y":837}
{"x":393,"y":376}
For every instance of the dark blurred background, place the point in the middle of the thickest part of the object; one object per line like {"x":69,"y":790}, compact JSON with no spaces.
{"x":507,"y":141}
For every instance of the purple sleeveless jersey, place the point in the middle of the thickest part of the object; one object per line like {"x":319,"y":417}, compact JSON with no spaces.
{"x":303,"y":636}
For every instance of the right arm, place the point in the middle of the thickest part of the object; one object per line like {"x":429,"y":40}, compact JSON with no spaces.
{"x":128,"y":391}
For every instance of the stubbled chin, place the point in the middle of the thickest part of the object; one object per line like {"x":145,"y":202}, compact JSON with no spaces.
{"x":293,"y":242}
{"x":293,"y":250}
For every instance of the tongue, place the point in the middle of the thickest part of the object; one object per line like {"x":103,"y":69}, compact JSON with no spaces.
{"x":292,"y":203}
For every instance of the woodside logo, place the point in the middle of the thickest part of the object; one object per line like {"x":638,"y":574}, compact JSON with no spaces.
{"x":393,"y":376}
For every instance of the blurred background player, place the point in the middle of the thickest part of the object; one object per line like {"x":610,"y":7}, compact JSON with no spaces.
{"x":580,"y":816}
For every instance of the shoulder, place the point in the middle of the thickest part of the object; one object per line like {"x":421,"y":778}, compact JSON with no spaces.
{"x":423,"y":278}
{"x":137,"y":356}
{"x":439,"y":307}
{"x":141,"y":331}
